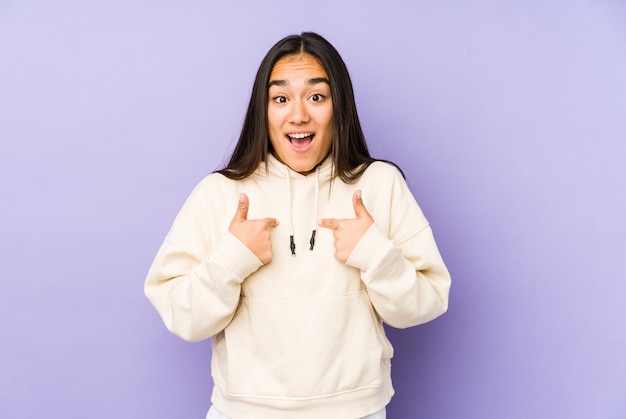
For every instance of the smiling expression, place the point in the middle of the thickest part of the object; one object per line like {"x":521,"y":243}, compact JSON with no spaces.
{"x":300,"y":112}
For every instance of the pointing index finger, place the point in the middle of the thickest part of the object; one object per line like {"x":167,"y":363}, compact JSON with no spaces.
{"x":329,"y":223}
{"x":271,"y":222}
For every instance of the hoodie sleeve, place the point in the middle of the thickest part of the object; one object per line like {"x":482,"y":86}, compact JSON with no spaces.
{"x":406,"y":278}
{"x":194,"y":285}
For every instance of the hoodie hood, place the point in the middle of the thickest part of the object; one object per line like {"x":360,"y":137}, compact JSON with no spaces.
{"x":274,"y":168}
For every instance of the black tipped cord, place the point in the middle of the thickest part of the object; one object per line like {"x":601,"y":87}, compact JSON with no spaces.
{"x":292,"y":246}
{"x":312,"y":240}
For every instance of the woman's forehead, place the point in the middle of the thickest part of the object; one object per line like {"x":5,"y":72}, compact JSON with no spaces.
{"x":296,"y":66}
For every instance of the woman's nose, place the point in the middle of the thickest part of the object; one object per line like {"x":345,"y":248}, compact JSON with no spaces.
{"x":298,"y":113}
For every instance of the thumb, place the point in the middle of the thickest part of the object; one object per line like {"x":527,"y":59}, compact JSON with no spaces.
{"x":359,"y":207}
{"x":242,"y":208}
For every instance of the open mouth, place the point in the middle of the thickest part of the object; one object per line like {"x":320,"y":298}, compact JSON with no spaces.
{"x":300,"y":140}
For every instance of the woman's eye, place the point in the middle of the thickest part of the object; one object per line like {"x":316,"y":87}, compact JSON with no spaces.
{"x":280,"y":99}
{"x":317,"y":97}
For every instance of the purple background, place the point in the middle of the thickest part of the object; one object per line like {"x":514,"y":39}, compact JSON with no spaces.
{"x":508,"y":117}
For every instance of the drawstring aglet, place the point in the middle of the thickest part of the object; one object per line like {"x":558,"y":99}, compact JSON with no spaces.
{"x":312,"y":241}
{"x":292,"y":245}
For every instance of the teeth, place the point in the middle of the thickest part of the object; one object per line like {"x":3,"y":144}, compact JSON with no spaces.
{"x":302,"y":135}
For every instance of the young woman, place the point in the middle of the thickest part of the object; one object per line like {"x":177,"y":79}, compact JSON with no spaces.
{"x":292,"y":256}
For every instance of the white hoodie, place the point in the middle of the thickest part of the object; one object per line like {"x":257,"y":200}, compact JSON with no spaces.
{"x":302,"y":336}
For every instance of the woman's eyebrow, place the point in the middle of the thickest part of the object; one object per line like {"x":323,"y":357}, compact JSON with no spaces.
{"x":310,"y":82}
{"x":317,"y":80}
{"x":278,"y":83}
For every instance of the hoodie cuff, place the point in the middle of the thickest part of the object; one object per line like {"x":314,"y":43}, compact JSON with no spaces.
{"x":370,"y":250}
{"x":235,"y":257}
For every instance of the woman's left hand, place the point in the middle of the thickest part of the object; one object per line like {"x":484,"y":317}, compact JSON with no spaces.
{"x":348,"y":231}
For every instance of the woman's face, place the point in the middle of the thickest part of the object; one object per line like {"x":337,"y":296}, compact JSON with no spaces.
{"x":300,"y":112}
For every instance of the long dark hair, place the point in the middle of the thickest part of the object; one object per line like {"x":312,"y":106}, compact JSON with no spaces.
{"x":348,"y":148}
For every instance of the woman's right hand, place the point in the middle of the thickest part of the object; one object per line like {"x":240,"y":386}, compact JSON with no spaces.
{"x":255,"y":234}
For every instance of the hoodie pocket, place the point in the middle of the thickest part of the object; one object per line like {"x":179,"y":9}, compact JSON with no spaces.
{"x":304,"y":348}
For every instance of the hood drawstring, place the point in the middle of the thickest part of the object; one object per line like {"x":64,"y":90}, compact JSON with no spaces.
{"x":317,"y":193}
{"x":292,"y":244}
